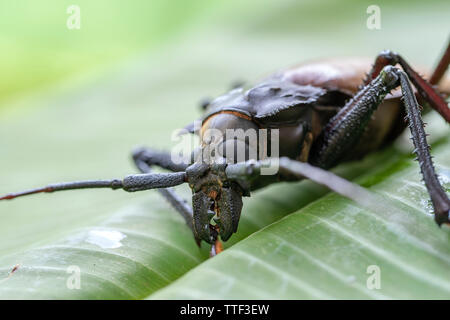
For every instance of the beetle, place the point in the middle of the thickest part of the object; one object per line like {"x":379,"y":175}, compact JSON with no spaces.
{"x":322,"y":113}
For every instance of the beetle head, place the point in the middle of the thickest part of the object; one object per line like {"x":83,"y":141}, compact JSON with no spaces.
{"x":216,"y":202}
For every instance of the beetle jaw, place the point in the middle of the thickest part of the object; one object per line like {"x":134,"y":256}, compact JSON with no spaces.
{"x":216,"y":201}
{"x":216,"y":212}
{"x":228,"y":211}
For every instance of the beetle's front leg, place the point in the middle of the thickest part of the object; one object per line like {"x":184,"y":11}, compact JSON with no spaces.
{"x":345,"y":129}
{"x":144,"y":158}
{"x":293,"y":170}
{"x":162,"y":159}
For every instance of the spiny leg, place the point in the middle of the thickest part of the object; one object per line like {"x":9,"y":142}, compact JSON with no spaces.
{"x":425,"y":89}
{"x":344,"y":130}
{"x":441,"y":202}
{"x":346,"y":127}
{"x":161,"y":159}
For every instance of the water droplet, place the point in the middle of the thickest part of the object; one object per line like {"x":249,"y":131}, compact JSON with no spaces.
{"x":106,"y":239}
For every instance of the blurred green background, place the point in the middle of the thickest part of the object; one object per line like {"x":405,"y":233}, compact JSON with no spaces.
{"x":37,"y":50}
{"x":73,"y":103}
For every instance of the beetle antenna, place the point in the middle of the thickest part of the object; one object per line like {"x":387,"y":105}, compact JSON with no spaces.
{"x":112,"y":184}
{"x":131,"y":183}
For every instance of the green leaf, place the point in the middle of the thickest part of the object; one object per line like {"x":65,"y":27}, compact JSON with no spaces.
{"x":325,"y":250}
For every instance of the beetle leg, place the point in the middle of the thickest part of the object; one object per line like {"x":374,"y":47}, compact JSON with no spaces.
{"x":179,"y":204}
{"x":236,"y":84}
{"x":441,"y":67}
{"x":345,"y":129}
{"x":204,"y":103}
{"x":425,"y":88}
{"x":293,"y":170}
{"x":159,"y":158}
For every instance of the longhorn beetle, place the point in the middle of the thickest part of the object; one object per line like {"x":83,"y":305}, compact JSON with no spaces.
{"x":324,"y":112}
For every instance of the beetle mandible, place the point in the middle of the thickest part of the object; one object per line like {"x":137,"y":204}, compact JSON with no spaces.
{"x":324,"y":112}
